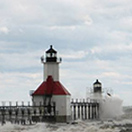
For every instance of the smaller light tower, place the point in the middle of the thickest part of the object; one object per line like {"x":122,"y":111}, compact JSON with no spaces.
{"x":97,"y":86}
{"x":97,"y":89}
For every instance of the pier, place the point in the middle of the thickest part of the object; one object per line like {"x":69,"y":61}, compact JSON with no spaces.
{"x":28,"y":114}
{"x":84,"y":109}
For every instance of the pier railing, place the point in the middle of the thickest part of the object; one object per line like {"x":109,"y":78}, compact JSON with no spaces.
{"x":84,"y":109}
{"x":26,"y":113}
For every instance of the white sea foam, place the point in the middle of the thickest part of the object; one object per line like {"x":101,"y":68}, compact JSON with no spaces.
{"x":81,"y":126}
{"x":110,"y":107}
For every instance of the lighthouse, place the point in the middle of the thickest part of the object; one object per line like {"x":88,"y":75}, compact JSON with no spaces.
{"x":97,"y":89}
{"x":97,"y":86}
{"x":51,"y":90}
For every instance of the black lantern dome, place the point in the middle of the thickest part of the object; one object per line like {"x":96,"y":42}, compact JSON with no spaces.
{"x":51,"y":55}
{"x":97,"y":86}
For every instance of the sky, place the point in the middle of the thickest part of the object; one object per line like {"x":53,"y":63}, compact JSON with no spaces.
{"x":93,"y":38}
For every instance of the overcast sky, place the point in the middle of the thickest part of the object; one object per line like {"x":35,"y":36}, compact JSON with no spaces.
{"x":94,"y":39}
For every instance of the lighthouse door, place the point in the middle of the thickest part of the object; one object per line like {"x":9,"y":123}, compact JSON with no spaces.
{"x":47,"y":103}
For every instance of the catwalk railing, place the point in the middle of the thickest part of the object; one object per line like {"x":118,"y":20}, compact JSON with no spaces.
{"x":27,"y":113}
{"x":84,"y":109}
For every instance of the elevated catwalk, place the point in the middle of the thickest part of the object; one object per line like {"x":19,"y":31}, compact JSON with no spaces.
{"x":84,"y":109}
{"x":23,"y":114}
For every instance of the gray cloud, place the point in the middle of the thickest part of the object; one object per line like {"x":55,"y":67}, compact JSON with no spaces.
{"x":93,"y":38}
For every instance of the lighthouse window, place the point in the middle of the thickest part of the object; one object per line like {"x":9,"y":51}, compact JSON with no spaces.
{"x":48,"y":55}
{"x":97,"y":85}
{"x":54,"y":55}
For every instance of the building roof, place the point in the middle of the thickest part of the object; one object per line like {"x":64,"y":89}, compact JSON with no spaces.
{"x":49,"y":87}
{"x":51,"y":50}
{"x":97,"y":82}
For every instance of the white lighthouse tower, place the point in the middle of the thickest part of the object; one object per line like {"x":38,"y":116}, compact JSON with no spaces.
{"x":51,"y":64}
{"x":51,"y":90}
{"x":97,"y":90}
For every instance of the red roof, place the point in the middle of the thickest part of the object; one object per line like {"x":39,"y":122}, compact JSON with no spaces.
{"x":49,"y":87}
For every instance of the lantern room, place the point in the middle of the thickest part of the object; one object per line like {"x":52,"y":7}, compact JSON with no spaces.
{"x":97,"y":87}
{"x":51,"y":55}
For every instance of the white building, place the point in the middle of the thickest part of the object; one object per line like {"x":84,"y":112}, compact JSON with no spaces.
{"x":51,"y":90}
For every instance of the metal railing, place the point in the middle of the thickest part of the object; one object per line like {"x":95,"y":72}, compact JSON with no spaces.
{"x":27,"y":113}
